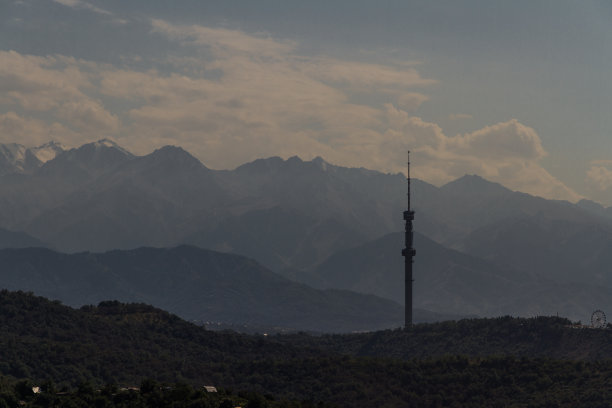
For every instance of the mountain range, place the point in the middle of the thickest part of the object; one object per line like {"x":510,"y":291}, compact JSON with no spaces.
{"x":99,"y":197}
{"x":16,"y":158}
{"x":482,"y":244}
{"x":446,"y":279}
{"x":198,"y":285}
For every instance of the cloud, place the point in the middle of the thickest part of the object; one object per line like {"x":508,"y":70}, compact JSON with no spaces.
{"x":598,"y":181}
{"x":37,"y":83}
{"x":80,"y":4}
{"x":459,"y":116}
{"x":363,"y":75}
{"x":503,"y":141}
{"x":410,"y":100}
{"x":601,"y":162}
{"x":247,"y":50}
{"x":88,"y":115}
{"x":56,"y":86}
{"x":223,"y":41}
{"x":262,"y":100}
{"x":507,"y":152}
{"x":251,"y":96}
{"x":34,"y":132}
{"x":600,"y":176}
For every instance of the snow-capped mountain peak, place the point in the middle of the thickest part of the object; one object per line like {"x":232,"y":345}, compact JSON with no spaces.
{"x":108,"y":143}
{"x":48,"y":151}
{"x":13,"y":155}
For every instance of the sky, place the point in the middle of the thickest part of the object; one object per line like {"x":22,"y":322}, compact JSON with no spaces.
{"x":518,"y":92}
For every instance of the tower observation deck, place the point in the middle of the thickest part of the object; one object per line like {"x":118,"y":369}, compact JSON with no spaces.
{"x":408,"y":253}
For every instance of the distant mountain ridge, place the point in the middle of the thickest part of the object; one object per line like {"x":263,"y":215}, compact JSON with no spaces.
{"x":474,"y":185}
{"x":100,"y":197}
{"x":195,"y":284}
{"x":445,"y":279}
{"x":562,"y":250}
{"x":16,"y":158}
{"x":171,"y":181}
{"x":12,"y":239}
{"x":292,"y":215}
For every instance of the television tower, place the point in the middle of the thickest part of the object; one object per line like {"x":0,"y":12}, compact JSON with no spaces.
{"x":408,"y":253}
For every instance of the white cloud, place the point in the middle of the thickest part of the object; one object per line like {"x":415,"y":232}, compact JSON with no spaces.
{"x":88,"y":116}
{"x":459,"y":116}
{"x":410,"y":100}
{"x":503,"y":141}
{"x":601,"y":162}
{"x":248,"y":51}
{"x":598,"y":181}
{"x":34,"y":132}
{"x":37,"y":83}
{"x":80,"y":4}
{"x":223,"y":41}
{"x":263,"y":100}
{"x":365,"y":76}
{"x":507,"y":152}
{"x":56,"y":86}
{"x":600,"y":177}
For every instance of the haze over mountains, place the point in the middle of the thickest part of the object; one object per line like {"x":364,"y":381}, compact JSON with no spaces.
{"x":196,"y":284}
{"x":16,"y":158}
{"x":484,"y":250}
{"x":449,"y":280}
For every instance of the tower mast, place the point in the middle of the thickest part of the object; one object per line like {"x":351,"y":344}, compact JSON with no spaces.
{"x":408,"y":253}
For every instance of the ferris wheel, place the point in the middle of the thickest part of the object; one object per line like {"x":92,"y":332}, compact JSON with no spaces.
{"x":598,"y":319}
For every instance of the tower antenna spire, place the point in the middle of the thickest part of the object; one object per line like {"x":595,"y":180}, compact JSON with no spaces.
{"x":408,"y":253}
{"x":408,"y":177}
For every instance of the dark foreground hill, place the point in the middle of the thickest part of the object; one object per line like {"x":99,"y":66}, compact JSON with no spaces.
{"x":504,"y":362}
{"x":196,"y":284}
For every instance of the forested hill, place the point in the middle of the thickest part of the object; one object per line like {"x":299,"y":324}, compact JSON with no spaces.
{"x":540,"y":337}
{"x":116,"y":342}
{"x":503,"y":360}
